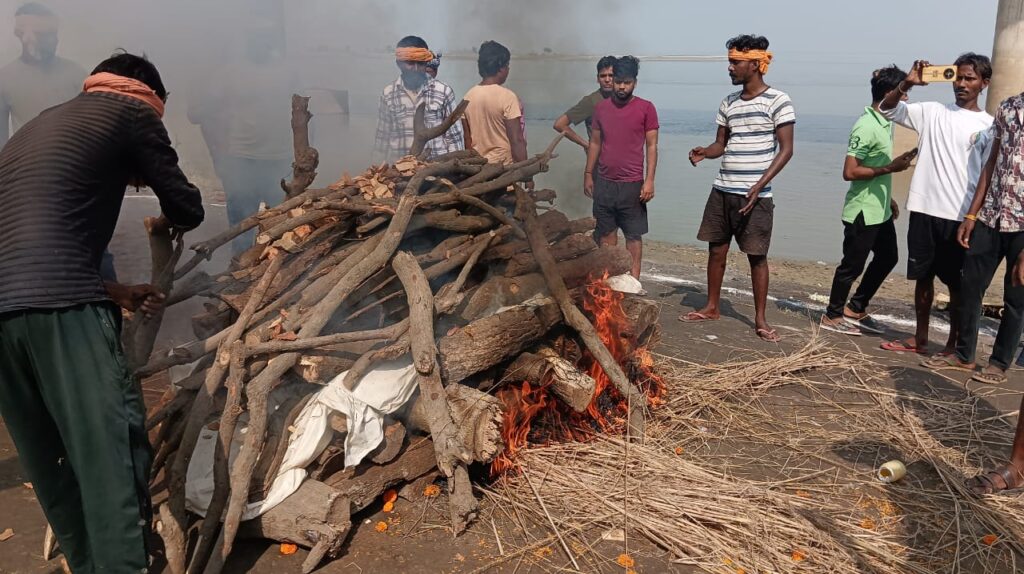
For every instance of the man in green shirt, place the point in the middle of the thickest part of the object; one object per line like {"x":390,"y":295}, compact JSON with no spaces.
{"x":868,"y":212}
{"x":584,"y":109}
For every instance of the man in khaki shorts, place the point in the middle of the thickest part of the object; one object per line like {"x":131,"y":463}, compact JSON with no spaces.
{"x":755,"y":136}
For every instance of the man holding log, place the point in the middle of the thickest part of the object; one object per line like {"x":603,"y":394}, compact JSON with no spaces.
{"x":624,"y":128}
{"x":398,"y":103}
{"x":73,"y":409}
{"x":755,"y":136}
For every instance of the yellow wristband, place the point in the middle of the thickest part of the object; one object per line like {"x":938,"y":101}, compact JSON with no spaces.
{"x":971,"y":217}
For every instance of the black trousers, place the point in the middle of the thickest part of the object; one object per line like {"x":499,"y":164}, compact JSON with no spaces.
{"x":859,"y":241}
{"x":988,"y":248}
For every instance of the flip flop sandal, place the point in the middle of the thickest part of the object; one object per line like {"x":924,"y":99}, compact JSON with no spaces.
{"x":901,"y":347}
{"x":986,"y":484}
{"x":696,"y":317}
{"x":768,"y":335}
{"x":989,"y":378}
{"x":844,"y":327}
{"x":945,"y":363}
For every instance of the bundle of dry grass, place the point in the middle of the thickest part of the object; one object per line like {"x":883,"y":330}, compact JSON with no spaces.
{"x":768,"y":466}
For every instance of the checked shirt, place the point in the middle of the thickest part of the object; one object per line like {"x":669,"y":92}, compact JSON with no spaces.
{"x":395,"y":119}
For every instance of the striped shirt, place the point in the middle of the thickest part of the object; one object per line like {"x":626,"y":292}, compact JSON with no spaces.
{"x":752,"y":141}
{"x":395,"y":119}
{"x":62,"y":179}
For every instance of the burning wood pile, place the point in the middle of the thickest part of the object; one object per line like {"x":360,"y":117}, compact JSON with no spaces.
{"x":443,"y":264}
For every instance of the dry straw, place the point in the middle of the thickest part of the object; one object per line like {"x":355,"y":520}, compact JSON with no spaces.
{"x":767,"y":465}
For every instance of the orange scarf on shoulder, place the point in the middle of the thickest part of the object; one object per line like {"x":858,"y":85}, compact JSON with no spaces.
{"x":114,"y":84}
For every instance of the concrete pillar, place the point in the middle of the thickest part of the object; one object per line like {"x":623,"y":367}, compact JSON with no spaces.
{"x":1007,"y":54}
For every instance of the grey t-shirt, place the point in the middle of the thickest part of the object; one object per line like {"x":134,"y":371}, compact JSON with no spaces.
{"x":28,"y":89}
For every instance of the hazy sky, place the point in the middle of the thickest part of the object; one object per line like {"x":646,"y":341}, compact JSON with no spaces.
{"x":824,"y":50}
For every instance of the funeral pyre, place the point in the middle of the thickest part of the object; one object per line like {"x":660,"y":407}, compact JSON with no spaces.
{"x":423,"y":316}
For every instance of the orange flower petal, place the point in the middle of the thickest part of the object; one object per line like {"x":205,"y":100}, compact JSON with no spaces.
{"x":799,"y":555}
{"x":391,"y":495}
{"x":625,"y":560}
{"x":989,"y":539}
{"x":381,"y":527}
{"x":679,"y":450}
{"x":431,"y":491}
{"x":389,"y":506}
{"x":287,"y":549}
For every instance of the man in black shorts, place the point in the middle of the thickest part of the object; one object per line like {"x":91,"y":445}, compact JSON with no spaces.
{"x":623,"y":127}
{"x":952,"y":154}
{"x":755,"y":140}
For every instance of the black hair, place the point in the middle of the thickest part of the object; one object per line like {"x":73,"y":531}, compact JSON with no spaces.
{"x":491,"y":58}
{"x":626,"y":67}
{"x":982,"y":65}
{"x":606,"y":62}
{"x":747,"y":42}
{"x":885,"y":80}
{"x":135,"y":67}
{"x":412,"y":42}
{"x":33,"y":9}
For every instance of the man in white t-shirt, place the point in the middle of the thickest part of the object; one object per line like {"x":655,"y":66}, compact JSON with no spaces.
{"x":948,"y":166}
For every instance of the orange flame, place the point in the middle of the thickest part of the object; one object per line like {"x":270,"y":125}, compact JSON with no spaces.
{"x":532,"y":415}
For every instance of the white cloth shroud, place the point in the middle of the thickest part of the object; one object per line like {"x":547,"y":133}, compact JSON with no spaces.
{"x":382,"y":391}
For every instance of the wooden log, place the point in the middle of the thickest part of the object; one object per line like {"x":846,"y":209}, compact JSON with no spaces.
{"x":452,"y":456}
{"x":394,"y":441}
{"x":566,"y":248}
{"x":577,"y":320}
{"x":362,"y":485}
{"x":477,"y":416}
{"x":492,"y":339}
{"x":139,"y":335}
{"x":423,"y":134}
{"x":642,"y":315}
{"x":205,"y":249}
{"x":306,"y":157}
{"x":315,"y":516}
{"x":544,"y":366}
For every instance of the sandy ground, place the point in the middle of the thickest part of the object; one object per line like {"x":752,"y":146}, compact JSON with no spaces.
{"x":417,"y":542}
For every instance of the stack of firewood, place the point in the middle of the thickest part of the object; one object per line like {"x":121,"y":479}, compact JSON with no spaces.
{"x":446,"y":261}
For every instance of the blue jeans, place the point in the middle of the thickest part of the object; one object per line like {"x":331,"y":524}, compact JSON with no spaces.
{"x":247,"y":182}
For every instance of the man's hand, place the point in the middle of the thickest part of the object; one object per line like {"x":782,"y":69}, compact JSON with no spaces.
{"x":157,"y":225}
{"x":914,"y":77}
{"x":902,"y":161}
{"x":696,"y":155}
{"x":145,"y":299}
{"x":895,"y":208}
{"x":963,"y":233}
{"x":588,"y":185}
{"x":751,"y":200}
{"x":1018,"y":271}
{"x":647,"y":191}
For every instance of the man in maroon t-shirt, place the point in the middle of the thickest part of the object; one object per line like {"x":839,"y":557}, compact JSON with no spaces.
{"x":623,"y":127}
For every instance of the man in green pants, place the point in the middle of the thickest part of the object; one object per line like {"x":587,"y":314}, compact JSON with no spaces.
{"x":74,"y":410}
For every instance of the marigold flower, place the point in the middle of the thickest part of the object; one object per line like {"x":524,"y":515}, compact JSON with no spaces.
{"x":287,"y":549}
{"x":626,"y":561}
{"x":431,"y":491}
{"x":381,"y":526}
{"x":989,"y":539}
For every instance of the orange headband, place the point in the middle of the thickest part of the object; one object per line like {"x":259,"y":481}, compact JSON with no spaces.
{"x":114,"y":84}
{"x":413,"y":55}
{"x":762,"y":56}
